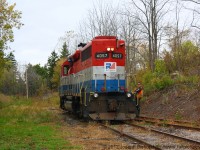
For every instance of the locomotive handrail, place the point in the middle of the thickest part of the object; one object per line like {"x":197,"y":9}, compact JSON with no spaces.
{"x":118,"y":82}
{"x":82,"y":88}
{"x":116,"y":76}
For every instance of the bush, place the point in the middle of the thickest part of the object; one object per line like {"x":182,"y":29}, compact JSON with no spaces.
{"x":163,"y":82}
{"x":188,"y":80}
{"x":148,"y":82}
{"x":157,"y":80}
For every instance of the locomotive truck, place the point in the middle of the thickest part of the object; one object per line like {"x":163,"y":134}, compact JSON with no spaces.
{"x":94,"y":82}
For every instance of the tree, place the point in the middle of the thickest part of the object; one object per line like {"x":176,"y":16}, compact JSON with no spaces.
{"x":189,"y":56}
{"x":150,"y":14}
{"x":2,"y":63}
{"x":64,"y":51}
{"x":42,"y":71}
{"x":135,"y":53}
{"x":10,"y":60}
{"x":8,"y":82}
{"x":176,"y":38}
{"x":11,"y":80}
{"x":196,"y":12}
{"x":56,"y":76}
{"x":102,"y":20}
{"x":34,"y":81}
{"x":9,"y":19}
{"x":176,"y":34}
{"x":50,"y":66}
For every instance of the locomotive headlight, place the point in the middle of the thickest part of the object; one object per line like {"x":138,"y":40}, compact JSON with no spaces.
{"x":96,"y":95}
{"x":112,"y":49}
{"x":128,"y":95}
{"x":108,"y":49}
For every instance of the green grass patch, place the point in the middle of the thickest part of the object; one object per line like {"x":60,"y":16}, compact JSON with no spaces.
{"x":30,"y":124}
{"x":31,"y":136}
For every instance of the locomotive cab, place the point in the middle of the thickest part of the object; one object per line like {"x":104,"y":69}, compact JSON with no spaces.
{"x":65,"y":68}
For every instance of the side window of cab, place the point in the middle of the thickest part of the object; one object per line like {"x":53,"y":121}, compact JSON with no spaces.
{"x":65,"y":70}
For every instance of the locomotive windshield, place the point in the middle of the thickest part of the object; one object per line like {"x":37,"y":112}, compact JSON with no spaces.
{"x":86,"y":54}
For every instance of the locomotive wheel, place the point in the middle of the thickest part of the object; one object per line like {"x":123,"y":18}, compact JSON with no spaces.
{"x":61,"y":103}
{"x":76,"y":105}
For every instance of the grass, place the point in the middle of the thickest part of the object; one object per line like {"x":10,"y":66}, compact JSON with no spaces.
{"x":30,"y":124}
{"x":178,"y":116}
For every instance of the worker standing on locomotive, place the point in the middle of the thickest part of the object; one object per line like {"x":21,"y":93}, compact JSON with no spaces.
{"x":138,"y":94}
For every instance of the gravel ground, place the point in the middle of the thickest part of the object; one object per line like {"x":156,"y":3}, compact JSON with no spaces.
{"x":162,"y":141}
{"x":190,"y":134}
{"x":90,"y":136}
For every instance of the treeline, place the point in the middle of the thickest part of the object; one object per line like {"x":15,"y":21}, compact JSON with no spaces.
{"x":177,"y":67}
{"x":32,"y":80}
{"x":162,"y":47}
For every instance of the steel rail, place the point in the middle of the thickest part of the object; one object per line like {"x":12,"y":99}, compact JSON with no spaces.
{"x":168,"y":124}
{"x":165,"y":133}
{"x":162,"y":119}
{"x":132,"y":137}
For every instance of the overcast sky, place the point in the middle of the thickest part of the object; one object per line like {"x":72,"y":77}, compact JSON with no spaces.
{"x":44,"y":22}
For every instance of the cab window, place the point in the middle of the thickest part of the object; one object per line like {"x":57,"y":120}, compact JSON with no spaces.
{"x":65,"y":71}
{"x":87,"y":53}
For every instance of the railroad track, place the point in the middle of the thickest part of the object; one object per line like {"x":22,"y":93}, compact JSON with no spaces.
{"x":164,"y":122}
{"x":154,"y":135}
{"x":162,"y":119}
{"x":166,"y":133}
{"x":129,"y":136}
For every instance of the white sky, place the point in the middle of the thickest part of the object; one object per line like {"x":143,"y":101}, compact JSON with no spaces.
{"x":44,"y":22}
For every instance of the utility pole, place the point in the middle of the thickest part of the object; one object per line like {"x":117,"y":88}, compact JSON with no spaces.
{"x":26,"y":84}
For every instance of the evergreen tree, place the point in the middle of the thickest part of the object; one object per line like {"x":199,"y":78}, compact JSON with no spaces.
{"x":42,"y":71}
{"x":50,"y":66}
{"x":8,"y":80}
{"x":10,"y":61}
{"x":64,"y":51}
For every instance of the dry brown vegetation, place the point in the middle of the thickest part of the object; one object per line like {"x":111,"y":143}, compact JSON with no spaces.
{"x":178,"y":102}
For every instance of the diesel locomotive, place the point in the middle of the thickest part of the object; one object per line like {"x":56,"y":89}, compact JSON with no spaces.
{"x":94,"y":82}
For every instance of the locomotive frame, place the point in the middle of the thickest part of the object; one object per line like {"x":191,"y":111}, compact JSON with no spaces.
{"x":93,"y":81}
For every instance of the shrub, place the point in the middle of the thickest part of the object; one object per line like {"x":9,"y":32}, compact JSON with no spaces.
{"x":163,"y":82}
{"x":188,"y":79}
{"x":157,"y":80}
